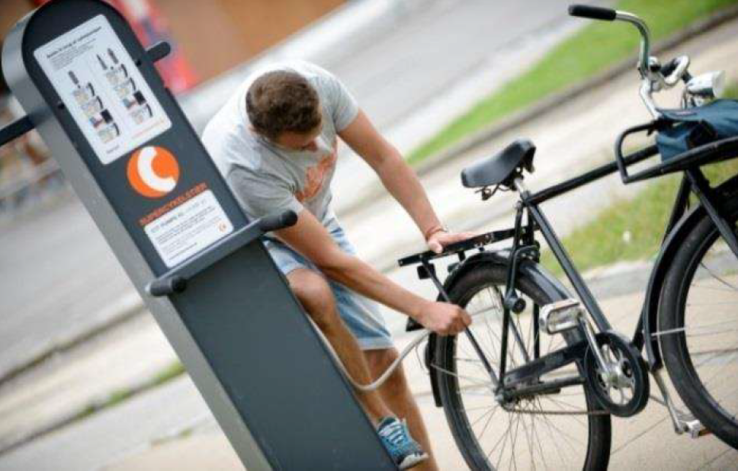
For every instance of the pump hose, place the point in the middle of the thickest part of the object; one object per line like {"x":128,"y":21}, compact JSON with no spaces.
{"x":387,"y":373}
{"x":390,"y":369}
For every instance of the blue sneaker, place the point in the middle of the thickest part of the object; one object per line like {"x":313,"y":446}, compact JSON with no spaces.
{"x":397,"y":440}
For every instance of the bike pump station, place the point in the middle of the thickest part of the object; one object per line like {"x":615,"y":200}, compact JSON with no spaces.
{"x":134,"y":160}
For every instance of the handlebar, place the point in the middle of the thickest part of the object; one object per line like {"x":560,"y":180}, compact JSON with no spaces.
{"x":166,"y":286}
{"x":176,"y":280}
{"x":607,"y":14}
{"x":675,"y":70}
{"x":593,"y":13}
{"x":15,"y":130}
{"x":275,"y":222}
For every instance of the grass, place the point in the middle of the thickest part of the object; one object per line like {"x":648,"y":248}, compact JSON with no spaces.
{"x":596,"y":47}
{"x":632,"y":230}
{"x":172,"y":371}
{"x":118,"y":396}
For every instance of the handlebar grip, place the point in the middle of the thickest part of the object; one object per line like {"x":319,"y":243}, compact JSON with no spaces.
{"x":167,"y":286}
{"x":669,"y":67}
{"x":275,"y":222}
{"x":593,"y":13}
{"x":15,"y":129}
{"x":159,"y":51}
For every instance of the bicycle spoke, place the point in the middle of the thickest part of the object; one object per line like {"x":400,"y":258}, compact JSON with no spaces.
{"x":701,"y":336}
{"x":714,"y":288}
{"x":482,"y":416}
{"x":486,"y":425}
{"x":718,"y":278}
{"x":478,"y":381}
{"x":503,"y":438}
{"x":700,"y":328}
{"x":537,"y":441}
{"x":521,"y":433}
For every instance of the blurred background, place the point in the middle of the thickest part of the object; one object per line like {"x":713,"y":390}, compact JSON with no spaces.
{"x":87,"y":380}
{"x":244,"y":30}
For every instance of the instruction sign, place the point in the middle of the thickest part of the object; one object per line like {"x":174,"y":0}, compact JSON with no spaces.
{"x":102,"y":88}
{"x":187,"y":225}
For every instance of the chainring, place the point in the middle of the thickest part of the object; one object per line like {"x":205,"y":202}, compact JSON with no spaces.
{"x":628,"y":393}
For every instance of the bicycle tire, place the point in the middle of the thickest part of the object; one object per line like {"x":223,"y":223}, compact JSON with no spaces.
{"x":598,"y":433}
{"x":682,"y":293}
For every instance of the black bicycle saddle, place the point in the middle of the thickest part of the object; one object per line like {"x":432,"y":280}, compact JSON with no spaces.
{"x":499,"y":168}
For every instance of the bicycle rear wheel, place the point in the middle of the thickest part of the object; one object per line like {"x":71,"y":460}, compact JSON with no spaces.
{"x":564,"y":430}
{"x":698,"y":327}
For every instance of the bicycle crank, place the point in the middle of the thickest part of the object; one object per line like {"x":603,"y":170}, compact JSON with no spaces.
{"x":622,"y":387}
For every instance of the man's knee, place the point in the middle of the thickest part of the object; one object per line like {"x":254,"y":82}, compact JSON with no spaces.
{"x":315,"y":295}
{"x":379,"y":361}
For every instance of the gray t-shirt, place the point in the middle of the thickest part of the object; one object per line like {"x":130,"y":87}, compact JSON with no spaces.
{"x":268,"y":179}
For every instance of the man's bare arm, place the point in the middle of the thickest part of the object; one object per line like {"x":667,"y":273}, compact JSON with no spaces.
{"x":312,"y":240}
{"x":398,"y":178}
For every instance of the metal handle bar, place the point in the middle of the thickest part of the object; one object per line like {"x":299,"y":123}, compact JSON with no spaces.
{"x":593,"y":13}
{"x":274,"y":222}
{"x":607,"y":14}
{"x":674,"y":70}
{"x":15,"y":130}
{"x":175,"y":280}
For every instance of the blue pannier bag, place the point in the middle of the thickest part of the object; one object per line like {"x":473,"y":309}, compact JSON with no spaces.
{"x":693,"y":127}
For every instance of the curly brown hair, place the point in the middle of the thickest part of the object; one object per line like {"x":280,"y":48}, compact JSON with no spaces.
{"x":280,"y":101}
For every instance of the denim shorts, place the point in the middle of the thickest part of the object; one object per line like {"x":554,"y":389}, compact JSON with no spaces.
{"x":360,"y":314}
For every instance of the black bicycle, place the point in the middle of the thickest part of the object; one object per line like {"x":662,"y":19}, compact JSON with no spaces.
{"x":539,"y":373}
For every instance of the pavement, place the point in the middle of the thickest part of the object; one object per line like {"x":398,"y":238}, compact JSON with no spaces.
{"x":59,"y":274}
{"x":573,"y":138}
{"x":646,"y":441}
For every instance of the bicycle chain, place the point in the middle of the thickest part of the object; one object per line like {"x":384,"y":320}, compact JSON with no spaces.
{"x":540,"y":412}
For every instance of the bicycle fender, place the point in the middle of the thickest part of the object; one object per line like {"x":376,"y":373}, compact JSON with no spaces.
{"x":661,"y":267}
{"x":536,"y":272}
{"x":527,"y":269}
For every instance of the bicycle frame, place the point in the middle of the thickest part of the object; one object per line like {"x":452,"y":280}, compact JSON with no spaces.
{"x":525,"y":380}
{"x":693,"y":182}
{"x":524,"y":245}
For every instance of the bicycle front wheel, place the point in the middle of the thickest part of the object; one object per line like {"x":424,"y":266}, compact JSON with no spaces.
{"x":698,"y":327}
{"x":561,"y":430}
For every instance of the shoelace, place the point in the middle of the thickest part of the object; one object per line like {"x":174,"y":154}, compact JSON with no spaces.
{"x":394,"y":433}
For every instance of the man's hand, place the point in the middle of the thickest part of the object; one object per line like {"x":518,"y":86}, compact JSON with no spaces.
{"x":440,"y":239}
{"x":444,"y":318}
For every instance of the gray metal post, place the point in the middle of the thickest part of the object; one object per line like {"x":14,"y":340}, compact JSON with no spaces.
{"x":134,"y":160}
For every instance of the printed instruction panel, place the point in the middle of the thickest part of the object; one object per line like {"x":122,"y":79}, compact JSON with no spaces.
{"x":188,"y":228}
{"x":102,"y":88}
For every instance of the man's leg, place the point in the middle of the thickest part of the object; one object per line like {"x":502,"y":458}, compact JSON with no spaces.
{"x":316,"y":297}
{"x":398,"y":397}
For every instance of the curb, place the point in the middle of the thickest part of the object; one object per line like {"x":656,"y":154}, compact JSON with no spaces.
{"x":123,"y":310}
{"x":94,"y":406}
{"x":547,"y":104}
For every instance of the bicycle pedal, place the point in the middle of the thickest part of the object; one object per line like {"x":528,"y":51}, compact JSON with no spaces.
{"x":694,"y":428}
{"x":560,"y":316}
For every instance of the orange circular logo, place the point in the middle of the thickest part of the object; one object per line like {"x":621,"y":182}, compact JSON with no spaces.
{"x":153,"y":171}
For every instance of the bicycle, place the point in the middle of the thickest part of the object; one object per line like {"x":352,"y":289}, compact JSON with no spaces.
{"x":552,"y":365}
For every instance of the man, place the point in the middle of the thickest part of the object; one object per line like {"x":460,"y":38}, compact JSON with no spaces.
{"x":275,"y":142}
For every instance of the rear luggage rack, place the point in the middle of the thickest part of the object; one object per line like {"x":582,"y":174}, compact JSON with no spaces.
{"x":459,"y":247}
